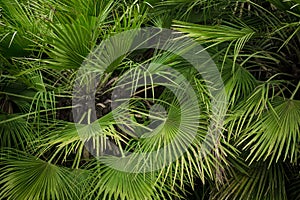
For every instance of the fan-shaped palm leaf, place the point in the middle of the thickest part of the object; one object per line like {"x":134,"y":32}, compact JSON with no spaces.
{"x":261,"y":182}
{"x":23,"y":176}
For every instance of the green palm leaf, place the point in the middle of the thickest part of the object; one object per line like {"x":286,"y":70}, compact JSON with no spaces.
{"x":24,"y":176}
{"x":261,"y":182}
{"x":109,"y":183}
{"x":276,"y":134}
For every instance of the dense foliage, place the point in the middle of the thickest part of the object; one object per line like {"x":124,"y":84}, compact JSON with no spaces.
{"x":256,"y":47}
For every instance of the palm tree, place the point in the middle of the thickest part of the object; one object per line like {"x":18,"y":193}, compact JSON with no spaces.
{"x":255,"y":46}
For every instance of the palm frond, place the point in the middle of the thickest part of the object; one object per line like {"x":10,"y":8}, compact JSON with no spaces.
{"x":23,"y":176}
{"x":276,"y":134}
{"x":217,"y":34}
{"x":16,"y":133}
{"x":251,"y":109}
{"x":71,"y":43}
{"x":109,"y":183}
{"x":261,"y":182}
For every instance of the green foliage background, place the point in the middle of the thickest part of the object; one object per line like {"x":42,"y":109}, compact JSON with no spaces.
{"x":256,"y":47}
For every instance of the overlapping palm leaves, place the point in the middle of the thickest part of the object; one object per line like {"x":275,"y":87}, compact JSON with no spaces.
{"x":263,"y":83}
{"x":256,"y":155}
